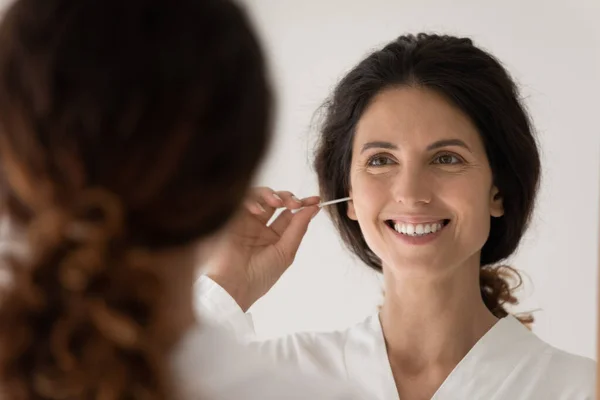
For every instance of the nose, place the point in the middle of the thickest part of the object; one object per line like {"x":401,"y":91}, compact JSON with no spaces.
{"x":412,"y":187}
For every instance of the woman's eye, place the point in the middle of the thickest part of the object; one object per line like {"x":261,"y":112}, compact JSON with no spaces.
{"x":447,"y":159}
{"x":379,"y":161}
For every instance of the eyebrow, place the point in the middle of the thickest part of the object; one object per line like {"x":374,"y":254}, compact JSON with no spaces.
{"x":437,"y":145}
{"x":378,"y":145}
{"x":448,"y":143}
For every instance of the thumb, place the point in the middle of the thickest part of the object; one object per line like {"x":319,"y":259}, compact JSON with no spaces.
{"x":291,"y":238}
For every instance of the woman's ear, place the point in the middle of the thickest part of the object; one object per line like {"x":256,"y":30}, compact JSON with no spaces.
{"x":496,"y":203}
{"x":351,"y":211}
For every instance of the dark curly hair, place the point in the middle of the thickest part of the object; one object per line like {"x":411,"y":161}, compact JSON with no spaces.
{"x":475,"y":82}
{"x":117,"y":120}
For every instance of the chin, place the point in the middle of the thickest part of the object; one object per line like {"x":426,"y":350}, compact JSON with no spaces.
{"x":420,"y":262}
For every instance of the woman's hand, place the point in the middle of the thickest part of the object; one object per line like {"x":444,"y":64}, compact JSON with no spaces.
{"x":251,"y":256}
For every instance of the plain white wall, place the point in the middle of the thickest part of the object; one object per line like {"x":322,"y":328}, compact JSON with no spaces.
{"x":553,"y":50}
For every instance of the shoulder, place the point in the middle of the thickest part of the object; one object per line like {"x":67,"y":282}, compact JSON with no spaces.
{"x":555,"y":373}
{"x":324,"y":352}
{"x":209,"y":362}
{"x":574,"y":374}
{"x":560,"y":359}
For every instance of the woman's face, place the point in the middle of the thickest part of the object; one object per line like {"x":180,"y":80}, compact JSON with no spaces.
{"x":421,"y":183}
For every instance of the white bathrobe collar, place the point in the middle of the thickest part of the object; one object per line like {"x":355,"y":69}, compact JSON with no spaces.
{"x":479,"y":374}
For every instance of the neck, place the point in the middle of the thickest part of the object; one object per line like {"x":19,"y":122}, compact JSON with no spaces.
{"x":176,"y":314}
{"x":432,"y":322}
{"x":176,"y":318}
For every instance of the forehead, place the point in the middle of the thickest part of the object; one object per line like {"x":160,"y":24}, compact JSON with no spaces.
{"x":414,"y":118}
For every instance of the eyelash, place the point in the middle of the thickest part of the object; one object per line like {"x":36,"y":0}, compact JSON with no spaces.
{"x":459,"y":159}
{"x":387,"y":157}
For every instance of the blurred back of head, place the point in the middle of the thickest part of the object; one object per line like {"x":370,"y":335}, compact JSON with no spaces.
{"x":126,"y":128}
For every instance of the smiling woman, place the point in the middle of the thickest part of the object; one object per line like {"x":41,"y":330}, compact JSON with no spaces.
{"x":435,"y":182}
{"x":430,"y":139}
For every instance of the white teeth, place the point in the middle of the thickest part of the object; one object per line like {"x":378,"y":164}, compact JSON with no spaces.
{"x":418,"y":229}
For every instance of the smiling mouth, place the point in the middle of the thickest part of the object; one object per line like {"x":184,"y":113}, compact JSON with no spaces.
{"x":416,"y":230}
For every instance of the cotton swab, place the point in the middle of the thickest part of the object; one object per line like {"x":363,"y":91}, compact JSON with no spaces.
{"x":326,"y":203}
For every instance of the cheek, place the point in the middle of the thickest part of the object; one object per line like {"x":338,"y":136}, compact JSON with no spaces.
{"x":369,"y":194}
{"x":469,"y":200}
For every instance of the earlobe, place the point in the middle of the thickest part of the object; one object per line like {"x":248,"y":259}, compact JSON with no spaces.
{"x":496,"y":203}
{"x":351,"y":213}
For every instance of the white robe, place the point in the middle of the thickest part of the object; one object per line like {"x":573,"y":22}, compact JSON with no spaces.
{"x":508,"y":363}
{"x":209,"y":364}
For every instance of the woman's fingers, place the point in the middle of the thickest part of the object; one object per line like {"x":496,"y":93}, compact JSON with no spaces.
{"x":291,"y":237}
{"x":289,"y":200}
{"x":264,"y":201}
{"x":311,"y":201}
{"x":280,"y":224}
